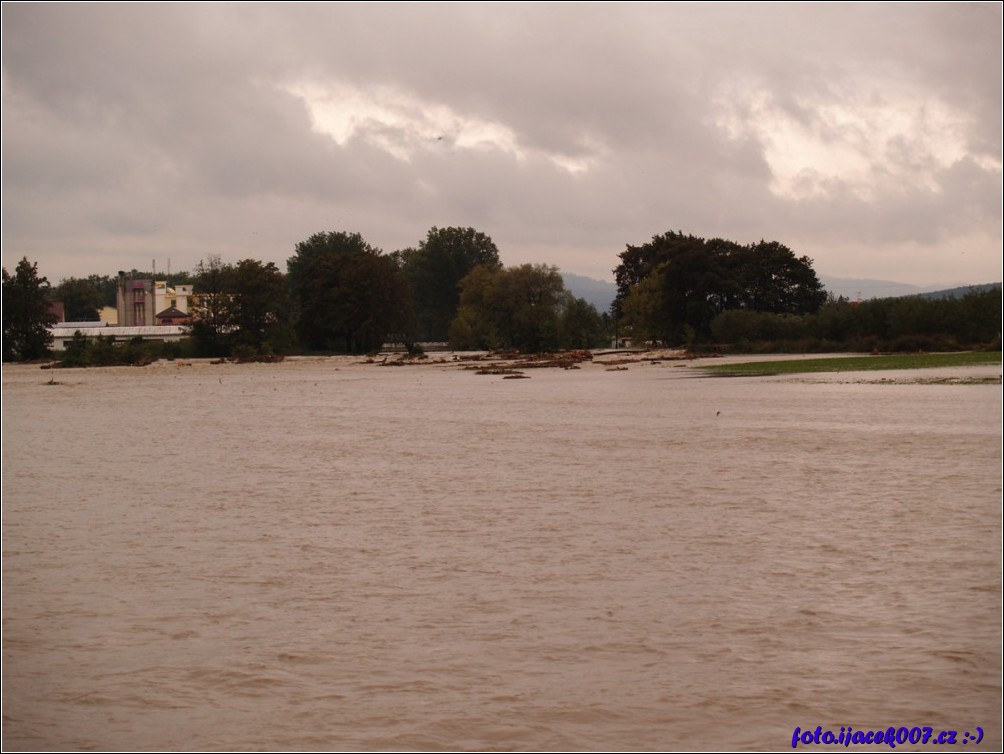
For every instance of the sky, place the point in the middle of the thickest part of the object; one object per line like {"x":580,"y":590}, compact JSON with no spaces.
{"x":864,"y":136}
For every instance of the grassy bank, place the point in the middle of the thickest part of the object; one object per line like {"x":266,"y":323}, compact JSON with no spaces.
{"x":857,"y":363}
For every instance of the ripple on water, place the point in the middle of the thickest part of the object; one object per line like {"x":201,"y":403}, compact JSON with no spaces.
{"x":297,"y":556}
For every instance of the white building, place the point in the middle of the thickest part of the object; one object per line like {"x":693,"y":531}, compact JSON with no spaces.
{"x":63,"y":335}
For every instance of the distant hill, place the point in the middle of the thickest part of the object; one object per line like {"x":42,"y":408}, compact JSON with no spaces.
{"x":860,"y":289}
{"x":863,"y":289}
{"x":599,"y":293}
{"x":960,"y":292}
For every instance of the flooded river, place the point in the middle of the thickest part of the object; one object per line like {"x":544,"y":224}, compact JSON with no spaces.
{"x":321,"y":554}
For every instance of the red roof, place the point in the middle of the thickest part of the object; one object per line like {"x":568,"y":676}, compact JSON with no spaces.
{"x":172,"y":312}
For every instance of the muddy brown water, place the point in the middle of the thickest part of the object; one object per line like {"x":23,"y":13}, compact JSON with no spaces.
{"x":320,"y":554}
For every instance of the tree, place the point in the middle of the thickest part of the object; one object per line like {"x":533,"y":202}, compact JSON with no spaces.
{"x":639,"y":262}
{"x":770,"y":278}
{"x":259,"y":307}
{"x":579,"y":324}
{"x":672,"y":288}
{"x":435,"y":270}
{"x":243,"y":306}
{"x":534,"y":294}
{"x":26,"y":313}
{"x":349,"y":296}
{"x":478,"y":321}
{"x":211,"y":312}
{"x":82,"y":301}
{"x":640,"y":309}
{"x":514,"y":307}
{"x":107,"y":286}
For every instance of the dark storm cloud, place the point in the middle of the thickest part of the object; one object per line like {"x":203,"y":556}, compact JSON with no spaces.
{"x":141,"y":131}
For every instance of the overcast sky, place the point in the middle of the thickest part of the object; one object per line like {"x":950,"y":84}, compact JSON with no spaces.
{"x":867,"y":137}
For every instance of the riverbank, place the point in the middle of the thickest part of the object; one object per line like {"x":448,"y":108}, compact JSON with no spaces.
{"x":970,"y":366}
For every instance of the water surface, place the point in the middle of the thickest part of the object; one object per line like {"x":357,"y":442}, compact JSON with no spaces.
{"x":320,"y":554}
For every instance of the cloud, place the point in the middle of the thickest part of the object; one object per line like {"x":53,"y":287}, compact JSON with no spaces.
{"x":861,"y":135}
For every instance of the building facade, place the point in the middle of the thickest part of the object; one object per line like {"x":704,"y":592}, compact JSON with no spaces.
{"x":142,"y":302}
{"x":135,"y":301}
{"x":165,"y":297}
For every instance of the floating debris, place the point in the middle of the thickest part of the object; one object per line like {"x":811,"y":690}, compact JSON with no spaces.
{"x":263,"y":358}
{"x":507,"y":371}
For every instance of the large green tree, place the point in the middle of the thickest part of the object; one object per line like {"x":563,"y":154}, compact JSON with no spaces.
{"x":243,"y":306}
{"x":769,"y":278}
{"x":639,"y":262}
{"x":525,"y":308}
{"x":435,"y":270}
{"x":27,"y":314}
{"x":259,"y":307}
{"x":673,"y":287}
{"x":349,"y":296}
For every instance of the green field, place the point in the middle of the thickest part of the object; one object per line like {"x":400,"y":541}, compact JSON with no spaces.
{"x":856,"y":363}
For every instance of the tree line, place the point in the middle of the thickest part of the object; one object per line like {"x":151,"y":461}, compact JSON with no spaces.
{"x":682,"y":290}
{"x":907,"y":323}
{"x":339,"y":294}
